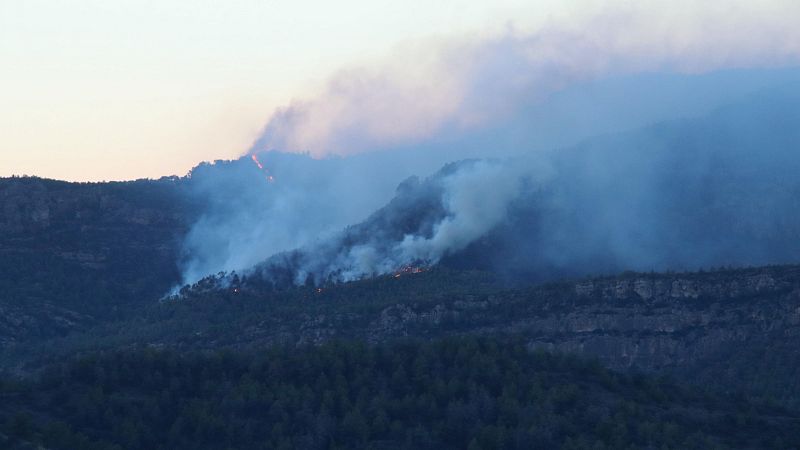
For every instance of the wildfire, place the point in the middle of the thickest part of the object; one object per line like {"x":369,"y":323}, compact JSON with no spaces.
{"x":258,"y":163}
{"x":261,"y":167}
{"x":406,"y":270}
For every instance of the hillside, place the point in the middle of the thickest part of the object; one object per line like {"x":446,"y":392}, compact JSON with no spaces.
{"x":734,"y":330}
{"x":72,"y":254}
{"x":718,"y":190}
{"x":496,"y":250}
{"x":712,"y":191}
{"x":457,"y":393}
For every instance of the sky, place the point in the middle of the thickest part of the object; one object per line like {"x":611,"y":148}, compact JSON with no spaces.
{"x":99,"y":90}
{"x":95,"y":90}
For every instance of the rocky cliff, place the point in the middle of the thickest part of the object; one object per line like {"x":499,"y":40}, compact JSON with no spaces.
{"x":86,"y":248}
{"x":736,"y":329}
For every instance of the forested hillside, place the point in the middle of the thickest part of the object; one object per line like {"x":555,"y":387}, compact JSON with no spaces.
{"x":729,"y":330}
{"x":74,"y":254}
{"x":458,"y":393}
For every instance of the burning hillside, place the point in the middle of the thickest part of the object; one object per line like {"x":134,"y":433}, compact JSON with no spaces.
{"x":408,"y":270}
{"x":263,"y":169}
{"x":679,"y":195}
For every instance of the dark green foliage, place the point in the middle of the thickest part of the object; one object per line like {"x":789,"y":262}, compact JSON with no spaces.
{"x":455,"y":393}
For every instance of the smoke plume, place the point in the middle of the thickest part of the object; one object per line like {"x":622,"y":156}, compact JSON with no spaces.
{"x":543,"y":194}
{"x":434,"y":88}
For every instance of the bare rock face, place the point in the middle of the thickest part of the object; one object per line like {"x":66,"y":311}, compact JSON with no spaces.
{"x":735,"y":327}
{"x":662,"y":323}
{"x":655,"y":322}
{"x":668,"y":323}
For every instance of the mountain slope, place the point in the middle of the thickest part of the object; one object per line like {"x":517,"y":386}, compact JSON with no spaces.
{"x":736,"y":330}
{"x":72,"y":253}
{"x":456,"y":393}
{"x":679,"y":195}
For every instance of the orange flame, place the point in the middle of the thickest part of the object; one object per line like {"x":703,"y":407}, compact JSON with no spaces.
{"x":255,"y":160}
{"x":261,"y":167}
{"x":406,"y":270}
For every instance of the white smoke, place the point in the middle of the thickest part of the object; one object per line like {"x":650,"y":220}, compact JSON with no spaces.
{"x":436,"y":101}
{"x":452,"y":85}
{"x":476,"y":199}
{"x":426,"y":222}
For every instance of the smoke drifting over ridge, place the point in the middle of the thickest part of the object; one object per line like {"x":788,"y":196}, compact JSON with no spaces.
{"x":683,"y":194}
{"x":523,"y":95}
{"x":424,"y":222}
{"x":449,"y":86}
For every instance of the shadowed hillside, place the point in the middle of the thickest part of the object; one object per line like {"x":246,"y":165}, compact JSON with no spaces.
{"x":456,"y":393}
{"x":73,"y":253}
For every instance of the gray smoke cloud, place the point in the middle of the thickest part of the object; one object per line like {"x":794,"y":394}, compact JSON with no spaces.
{"x":437,"y":88}
{"x":247,"y":218}
{"x":517,"y":97}
{"x":682,"y":194}
{"x":423,"y":223}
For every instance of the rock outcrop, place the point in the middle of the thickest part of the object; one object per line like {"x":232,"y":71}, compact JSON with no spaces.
{"x":86,"y":248}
